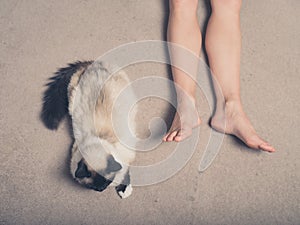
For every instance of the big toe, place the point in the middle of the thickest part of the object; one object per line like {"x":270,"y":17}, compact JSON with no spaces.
{"x":266,"y":147}
{"x":183,"y":134}
{"x":256,"y":142}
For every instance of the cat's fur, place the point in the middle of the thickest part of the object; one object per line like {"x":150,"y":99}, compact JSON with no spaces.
{"x":87,"y":90}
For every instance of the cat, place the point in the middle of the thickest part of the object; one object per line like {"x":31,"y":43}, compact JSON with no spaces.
{"x":87,"y":91}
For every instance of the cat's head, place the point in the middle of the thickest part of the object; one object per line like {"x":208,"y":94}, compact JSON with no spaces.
{"x":98,"y":174}
{"x":97,"y":181}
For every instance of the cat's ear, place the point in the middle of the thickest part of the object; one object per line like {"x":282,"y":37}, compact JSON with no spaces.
{"x":82,"y":170}
{"x":112,"y":165}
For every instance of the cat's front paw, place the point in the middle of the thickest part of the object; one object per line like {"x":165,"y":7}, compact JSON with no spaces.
{"x":124,"y":190}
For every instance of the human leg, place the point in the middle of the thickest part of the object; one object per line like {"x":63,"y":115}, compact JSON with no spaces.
{"x":223,"y":46}
{"x":183,"y":29}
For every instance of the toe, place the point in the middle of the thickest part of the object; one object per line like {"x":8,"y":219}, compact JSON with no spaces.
{"x":165,"y":137}
{"x":172,"y":135}
{"x":183,"y":134}
{"x":266,"y":147}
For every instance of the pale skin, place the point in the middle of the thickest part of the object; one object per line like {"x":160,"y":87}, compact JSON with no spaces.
{"x":223,"y":47}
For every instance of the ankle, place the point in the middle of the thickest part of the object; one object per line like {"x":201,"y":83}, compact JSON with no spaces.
{"x":233,"y":103}
{"x":228,"y":102}
{"x":185,"y":96}
{"x":228,"y":107}
{"x":186,"y":102}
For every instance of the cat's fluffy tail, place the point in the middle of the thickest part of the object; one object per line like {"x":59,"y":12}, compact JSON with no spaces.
{"x":55,"y":100}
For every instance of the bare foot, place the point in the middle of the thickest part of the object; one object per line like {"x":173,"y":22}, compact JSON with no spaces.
{"x":238,"y":124}
{"x":186,"y":118}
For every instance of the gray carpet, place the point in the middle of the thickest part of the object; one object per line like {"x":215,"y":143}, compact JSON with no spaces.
{"x":242,"y":186}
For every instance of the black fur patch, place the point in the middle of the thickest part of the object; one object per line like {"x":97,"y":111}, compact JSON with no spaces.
{"x":112,"y":165}
{"x":122,"y":187}
{"x":82,"y":170}
{"x":100,"y":183}
{"x":55,"y":100}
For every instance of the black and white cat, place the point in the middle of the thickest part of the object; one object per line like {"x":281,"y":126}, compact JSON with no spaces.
{"x":87,"y":91}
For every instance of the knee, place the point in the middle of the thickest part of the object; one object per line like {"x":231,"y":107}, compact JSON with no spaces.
{"x":183,"y":8}
{"x":233,"y":6}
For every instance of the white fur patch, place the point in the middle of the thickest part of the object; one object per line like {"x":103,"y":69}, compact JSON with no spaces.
{"x":127,"y":192}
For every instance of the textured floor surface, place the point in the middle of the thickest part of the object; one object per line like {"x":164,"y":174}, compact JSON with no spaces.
{"x":242,"y":186}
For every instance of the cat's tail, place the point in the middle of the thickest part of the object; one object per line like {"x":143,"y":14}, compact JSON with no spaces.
{"x":55,"y":100}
